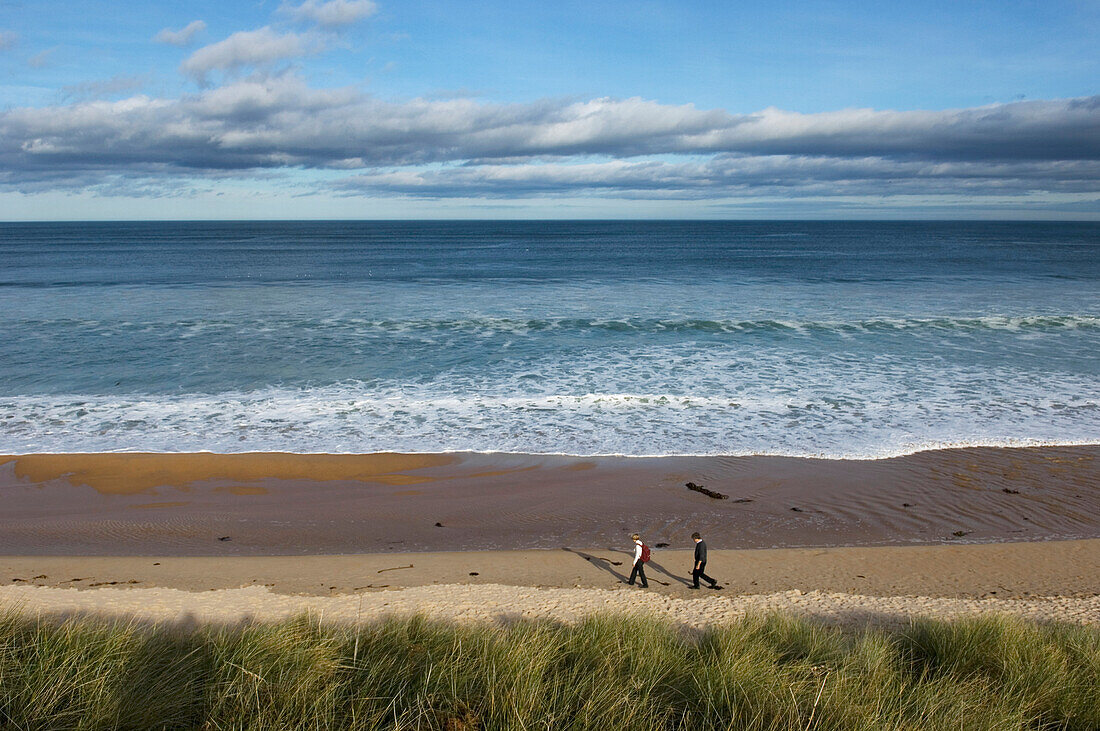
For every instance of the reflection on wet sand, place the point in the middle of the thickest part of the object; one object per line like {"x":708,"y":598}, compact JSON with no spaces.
{"x":318,"y":503}
{"x":131,"y":473}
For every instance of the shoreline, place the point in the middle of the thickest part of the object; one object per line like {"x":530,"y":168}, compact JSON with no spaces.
{"x":936,"y":447}
{"x":258,"y":504}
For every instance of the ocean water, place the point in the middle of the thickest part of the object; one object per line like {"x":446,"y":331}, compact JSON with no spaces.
{"x":836,"y":339}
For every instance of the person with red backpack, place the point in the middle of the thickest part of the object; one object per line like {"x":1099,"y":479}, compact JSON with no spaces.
{"x":641,"y":557}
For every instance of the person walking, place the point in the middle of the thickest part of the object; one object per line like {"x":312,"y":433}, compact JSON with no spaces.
{"x":641,"y":555}
{"x":699,"y":570}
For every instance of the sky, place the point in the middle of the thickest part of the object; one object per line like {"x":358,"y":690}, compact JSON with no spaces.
{"x":384,"y":109}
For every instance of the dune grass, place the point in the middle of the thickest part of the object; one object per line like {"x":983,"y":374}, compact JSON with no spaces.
{"x":765,"y":672}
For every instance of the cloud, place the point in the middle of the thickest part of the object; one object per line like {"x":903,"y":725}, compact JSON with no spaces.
{"x":455,"y":147}
{"x":182,"y":37}
{"x":8,"y":40}
{"x":332,"y":14}
{"x":100,"y":89}
{"x":41,"y":59}
{"x":727,"y":176}
{"x":1065,"y":129}
{"x":261,"y":47}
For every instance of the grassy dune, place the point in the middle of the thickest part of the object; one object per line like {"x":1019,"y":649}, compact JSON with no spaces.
{"x":773,"y":672}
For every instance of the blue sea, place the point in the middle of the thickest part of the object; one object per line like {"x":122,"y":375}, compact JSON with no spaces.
{"x":851,"y":340}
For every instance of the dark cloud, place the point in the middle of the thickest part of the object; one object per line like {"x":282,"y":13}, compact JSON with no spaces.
{"x":1038,"y":130}
{"x":615,"y":147}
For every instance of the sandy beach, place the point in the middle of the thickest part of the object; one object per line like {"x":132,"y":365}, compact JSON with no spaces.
{"x":497,"y":603}
{"x":285,"y":504}
{"x":998,"y":570}
{"x":1050,"y":581}
{"x":475,"y":536}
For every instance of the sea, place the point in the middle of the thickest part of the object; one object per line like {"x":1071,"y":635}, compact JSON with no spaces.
{"x":832,"y":339}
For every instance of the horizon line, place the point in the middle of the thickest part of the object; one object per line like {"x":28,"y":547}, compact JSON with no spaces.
{"x":546,"y":220}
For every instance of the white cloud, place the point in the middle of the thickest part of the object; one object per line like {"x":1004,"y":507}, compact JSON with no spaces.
{"x":258,"y":47}
{"x":8,"y":39}
{"x":626,"y":148}
{"x":182,"y":37}
{"x":727,"y":175}
{"x":334,"y":13}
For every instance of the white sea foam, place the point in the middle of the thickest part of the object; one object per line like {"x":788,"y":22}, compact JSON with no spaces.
{"x":352,"y":418}
{"x":517,"y":325}
{"x":688,"y":396}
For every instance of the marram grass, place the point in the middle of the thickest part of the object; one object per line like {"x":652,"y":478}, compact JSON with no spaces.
{"x":765,"y":672}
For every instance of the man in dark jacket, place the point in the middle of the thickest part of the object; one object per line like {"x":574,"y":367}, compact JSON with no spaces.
{"x":701,"y":564}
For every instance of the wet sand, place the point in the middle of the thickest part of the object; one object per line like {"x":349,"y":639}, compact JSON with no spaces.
{"x":289,"y":504}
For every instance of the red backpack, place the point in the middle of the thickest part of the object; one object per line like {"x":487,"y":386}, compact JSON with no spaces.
{"x":645,"y":553}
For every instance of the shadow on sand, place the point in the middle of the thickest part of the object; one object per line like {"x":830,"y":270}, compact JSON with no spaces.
{"x":608,"y":565}
{"x":604,"y":564}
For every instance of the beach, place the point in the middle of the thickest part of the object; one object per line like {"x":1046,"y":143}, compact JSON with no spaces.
{"x":349,"y":351}
{"x":385,"y":474}
{"x":474,"y":536}
{"x":229,"y":420}
{"x":1052,"y":581}
{"x":205,"y":504}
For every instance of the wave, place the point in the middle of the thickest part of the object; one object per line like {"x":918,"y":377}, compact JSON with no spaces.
{"x":507,"y":325}
{"x":355,"y":418}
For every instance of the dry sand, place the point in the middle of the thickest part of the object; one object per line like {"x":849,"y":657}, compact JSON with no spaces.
{"x":1004,"y":570}
{"x":494,"y":602}
{"x":1045,"y":581}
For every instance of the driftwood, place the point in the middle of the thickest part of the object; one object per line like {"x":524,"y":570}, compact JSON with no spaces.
{"x":705,"y":491}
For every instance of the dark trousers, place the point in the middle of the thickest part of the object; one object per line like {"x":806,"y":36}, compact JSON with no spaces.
{"x":639,"y":572}
{"x":697,"y":574}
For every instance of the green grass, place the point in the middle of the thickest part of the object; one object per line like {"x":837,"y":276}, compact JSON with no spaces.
{"x":766,"y":672}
